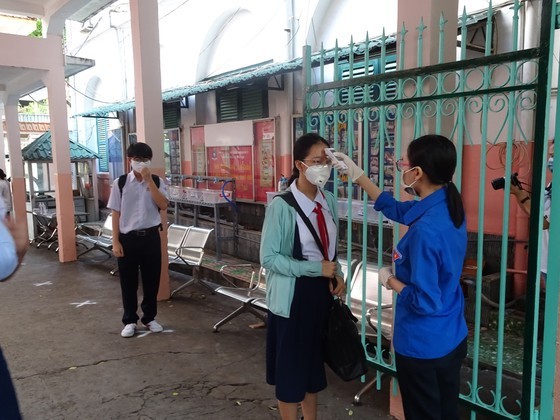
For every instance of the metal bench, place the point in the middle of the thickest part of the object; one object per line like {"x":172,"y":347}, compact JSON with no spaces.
{"x":190,"y":253}
{"x":252,"y":298}
{"x":103,"y":241}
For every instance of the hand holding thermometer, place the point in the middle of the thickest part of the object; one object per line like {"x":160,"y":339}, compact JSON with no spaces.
{"x":337,"y":163}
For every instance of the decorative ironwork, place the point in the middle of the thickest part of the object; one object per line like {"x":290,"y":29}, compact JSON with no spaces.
{"x":480,"y":103}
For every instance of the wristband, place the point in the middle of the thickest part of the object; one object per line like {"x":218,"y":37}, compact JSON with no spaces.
{"x":525,"y":199}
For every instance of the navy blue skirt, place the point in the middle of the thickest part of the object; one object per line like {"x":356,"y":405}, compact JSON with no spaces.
{"x":294,"y":346}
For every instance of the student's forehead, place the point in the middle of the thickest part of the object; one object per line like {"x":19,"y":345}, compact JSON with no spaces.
{"x":317,"y":150}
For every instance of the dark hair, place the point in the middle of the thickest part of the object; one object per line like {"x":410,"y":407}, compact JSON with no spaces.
{"x":2,"y":174}
{"x":139,"y":150}
{"x":301,"y":150}
{"x":437,"y":157}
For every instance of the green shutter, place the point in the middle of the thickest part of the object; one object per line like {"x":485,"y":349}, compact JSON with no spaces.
{"x":102,"y":125}
{"x":228,"y":106}
{"x":245,"y":103}
{"x":251,"y":103}
{"x":171,"y":115}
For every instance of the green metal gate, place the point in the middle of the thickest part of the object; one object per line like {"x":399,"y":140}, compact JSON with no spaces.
{"x":370,"y":109}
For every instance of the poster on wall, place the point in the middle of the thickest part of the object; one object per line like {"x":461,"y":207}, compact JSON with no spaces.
{"x":198,"y":151}
{"x":232,"y":162}
{"x":242,"y":170}
{"x":387,"y":161}
{"x":264,"y":164}
{"x":172,"y":151}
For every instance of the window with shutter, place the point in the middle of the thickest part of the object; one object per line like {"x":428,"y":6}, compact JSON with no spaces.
{"x":171,"y":115}
{"x":102,"y":125}
{"x":359,"y":70}
{"x":244,"y":103}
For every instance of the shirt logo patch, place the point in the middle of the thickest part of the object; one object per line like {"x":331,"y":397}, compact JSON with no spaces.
{"x":396,"y":255}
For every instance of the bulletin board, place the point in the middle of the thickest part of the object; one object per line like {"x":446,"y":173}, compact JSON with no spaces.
{"x":244,"y":150}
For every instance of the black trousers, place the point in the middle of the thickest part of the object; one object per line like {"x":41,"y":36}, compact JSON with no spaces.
{"x":430,"y":387}
{"x":141,"y":252}
{"x":9,"y":409}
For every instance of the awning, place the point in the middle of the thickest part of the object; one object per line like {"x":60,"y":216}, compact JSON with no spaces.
{"x":241,"y":77}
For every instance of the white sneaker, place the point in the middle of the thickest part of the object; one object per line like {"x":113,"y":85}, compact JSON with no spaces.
{"x":154,"y":326}
{"x":128,"y":330}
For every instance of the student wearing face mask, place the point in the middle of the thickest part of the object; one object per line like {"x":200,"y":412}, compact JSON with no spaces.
{"x":524,"y":200}
{"x":302,"y":277}
{"x":136,"y":201}
{"x":430,"y":331}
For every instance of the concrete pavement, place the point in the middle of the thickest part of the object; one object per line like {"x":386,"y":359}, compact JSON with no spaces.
{"x":61,"y":327}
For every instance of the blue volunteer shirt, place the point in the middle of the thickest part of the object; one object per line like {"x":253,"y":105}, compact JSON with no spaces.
{"x":429,"y":319}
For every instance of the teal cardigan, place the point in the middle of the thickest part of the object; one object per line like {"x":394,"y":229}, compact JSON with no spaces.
{"x":277,"y":246}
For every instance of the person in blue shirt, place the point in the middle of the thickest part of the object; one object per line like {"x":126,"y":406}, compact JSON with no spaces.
{"x":13,"y":246}
{"x":430,"y":331}
{"x":299,"y":284}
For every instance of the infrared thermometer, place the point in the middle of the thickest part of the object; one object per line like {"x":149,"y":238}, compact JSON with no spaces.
{"x":341,"y":166}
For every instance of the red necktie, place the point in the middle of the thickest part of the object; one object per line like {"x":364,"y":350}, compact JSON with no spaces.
{"x":322,"y":230}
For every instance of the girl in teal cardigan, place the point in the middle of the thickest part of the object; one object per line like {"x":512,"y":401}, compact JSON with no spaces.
{"x":301,"y":280}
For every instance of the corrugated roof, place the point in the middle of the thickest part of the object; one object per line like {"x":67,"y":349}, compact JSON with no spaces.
{"x":241,"y":77}
{"x":40,"y":150}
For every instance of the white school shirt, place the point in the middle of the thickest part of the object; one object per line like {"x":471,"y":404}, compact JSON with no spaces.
{"x":310,"y":249}
{"x":136,"y":207}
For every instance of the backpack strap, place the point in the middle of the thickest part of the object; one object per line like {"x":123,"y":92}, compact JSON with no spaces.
{"x":122,"y":181}
{"x":289,"y":198}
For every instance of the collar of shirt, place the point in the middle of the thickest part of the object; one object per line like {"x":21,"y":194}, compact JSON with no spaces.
{"x":132,"y":178}
{"x":305,"y":203}
{"x":424,"y":205}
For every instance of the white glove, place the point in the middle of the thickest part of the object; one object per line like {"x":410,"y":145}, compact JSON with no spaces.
{"x":353,"y":171}
{"x":384,"y":275}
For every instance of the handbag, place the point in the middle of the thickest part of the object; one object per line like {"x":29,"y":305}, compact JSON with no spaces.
{"x":344,"y":352}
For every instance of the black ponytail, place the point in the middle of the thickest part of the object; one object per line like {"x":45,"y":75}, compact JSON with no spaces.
{"x":437,"y":157}
{"x":455,"y":204}
{"x":301,"y":150}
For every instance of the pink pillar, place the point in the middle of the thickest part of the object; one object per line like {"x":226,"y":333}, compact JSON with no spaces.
{"x":56,"y":88}
{"x":149,"y":111}
{"x":410,"y":13}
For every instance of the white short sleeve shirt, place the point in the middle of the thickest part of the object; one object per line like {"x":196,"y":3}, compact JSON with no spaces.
{"x":136,"y":207}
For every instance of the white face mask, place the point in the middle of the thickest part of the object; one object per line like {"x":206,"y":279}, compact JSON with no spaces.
{"x":138,"y":166}
{"x":408,"y":187}
{"x":318,"y":174}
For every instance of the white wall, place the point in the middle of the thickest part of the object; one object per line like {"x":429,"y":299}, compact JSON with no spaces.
{"x":201,"y":39}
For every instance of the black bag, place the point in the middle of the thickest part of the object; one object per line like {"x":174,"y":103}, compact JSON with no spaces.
{"x":344,"y":352}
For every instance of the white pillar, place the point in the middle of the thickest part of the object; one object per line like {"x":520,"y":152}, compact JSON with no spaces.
{"x":56,"y":88}
{"x":147,"y":76}
{"x":16,"y":163}
{"x":149,"y":109}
